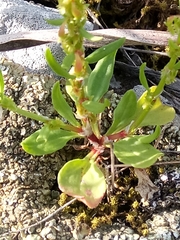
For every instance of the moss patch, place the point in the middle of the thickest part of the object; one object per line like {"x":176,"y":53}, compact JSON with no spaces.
{"x":123,"y":204}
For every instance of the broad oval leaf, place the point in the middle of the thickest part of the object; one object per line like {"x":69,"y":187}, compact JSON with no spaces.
{"x":159,"y":114}
{"x":83,"y":180}
{"x":61,"y":106}
{"x":124,"y":112}
{"x":131,"y":151}
{"x":99,"y":78}
{"x":104,"y":51}
{"x":47,"y":140}
{"x":55,"y":66}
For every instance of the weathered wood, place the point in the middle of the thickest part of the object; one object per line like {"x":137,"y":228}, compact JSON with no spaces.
{"x":21,"y":40}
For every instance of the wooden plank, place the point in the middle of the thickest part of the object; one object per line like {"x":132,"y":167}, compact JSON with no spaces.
{"x":37,"y":37}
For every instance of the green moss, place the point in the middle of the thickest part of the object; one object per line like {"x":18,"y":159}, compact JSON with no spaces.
{"x":161,"y":170}
{"x":135,"y":204}
{"x":62,"y":199}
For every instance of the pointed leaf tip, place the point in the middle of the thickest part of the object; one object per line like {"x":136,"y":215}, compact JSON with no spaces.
{"x":55,"y":66}
{"x":61,"y":106}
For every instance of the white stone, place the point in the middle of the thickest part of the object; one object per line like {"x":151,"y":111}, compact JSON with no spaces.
{"x":116,"y":237}
{"x":33,"y":237}
{"x":13,"y":177}
{"x":178,"y":147}
{"x":176,"y":234}
{"x":21,"y":16}
{"x":136,"y":236}
{"x":45,"y":231}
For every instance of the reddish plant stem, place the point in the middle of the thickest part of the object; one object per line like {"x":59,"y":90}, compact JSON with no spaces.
{"x":117,"y":136}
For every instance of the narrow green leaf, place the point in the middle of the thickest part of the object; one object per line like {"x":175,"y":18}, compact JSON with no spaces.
{"x":55,"y":66}
{"x":133,"y":152}
{"x":82,"y":179}
{"x":104,"y":51}
{"x":61,"y":106}
{"x":124,"y":112}
{"x":142,"y":76}
{"x":177,"y":66}
{"x":46,"y":141}
{"x":95,"y":107}
{"x":1,"y":85}
{"x":55,"y":22}
{"x":99,"y":78}
{"x":67,"y":61}
{"x":89,"y":36}
{"x":150,"y":138}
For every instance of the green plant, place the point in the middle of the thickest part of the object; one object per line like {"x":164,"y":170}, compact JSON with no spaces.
{"x":83,"y":178}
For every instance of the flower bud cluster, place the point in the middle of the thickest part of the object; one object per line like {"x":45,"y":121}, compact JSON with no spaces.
{"x":74,"y":14}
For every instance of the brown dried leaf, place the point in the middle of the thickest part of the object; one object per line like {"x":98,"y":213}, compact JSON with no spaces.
{"x":145,"y":186}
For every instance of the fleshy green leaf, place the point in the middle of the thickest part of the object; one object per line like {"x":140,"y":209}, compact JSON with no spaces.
{"x":133,"y":152}
{"x":61,"y":106}
{"x":1,"y":86}
{"x":99,"y":79}
{"x":89,"y":36}
{"x":124,"y":112}
{"x":55,"y":22}
{"x":177,"y":66}
{"x":83,"y":180}
{"x":142,"y":76}
{"x":104,"y":51}
{"x":156,"y":112}
{"x":55,"y":66}
{"x":96,"y":107}
{"x":159,"y":114}
{"x":47,"y":140}
{"x":67,"y":61}
{"x":150,"y":138}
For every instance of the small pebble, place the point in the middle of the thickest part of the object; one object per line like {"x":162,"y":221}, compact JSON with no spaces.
{"x":51,"y":236}
{"x":123,"y":237}
{"x":136,"y":236}
{"x":176,"y":234}
{"x":33,"y":237}
{"x":116,"y":237}
{"x":45,"y":232}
